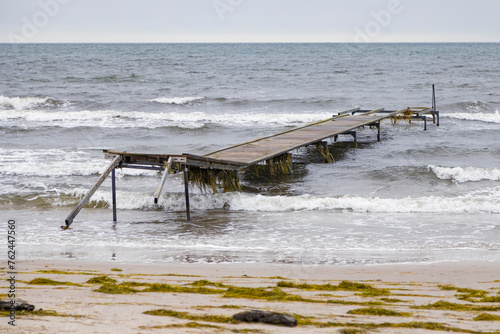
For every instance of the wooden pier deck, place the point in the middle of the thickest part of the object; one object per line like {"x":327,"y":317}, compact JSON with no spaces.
{"x":238,"y":157}
{"x":249,"y":153}
{"x":261,"y":149}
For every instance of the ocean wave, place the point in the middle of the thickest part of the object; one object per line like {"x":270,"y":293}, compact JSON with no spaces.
{"x":138,"y":119}
{"x":485,"y":201}
{"x":467,"y":174}
{"x":179,"y":100}
{"x":47,"y":163}
{"x":474,"y":106}
{"x":26,"y":103}
{"x":482,"y":117}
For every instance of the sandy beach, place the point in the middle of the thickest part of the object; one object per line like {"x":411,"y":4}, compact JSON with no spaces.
{"x":108,"y":297}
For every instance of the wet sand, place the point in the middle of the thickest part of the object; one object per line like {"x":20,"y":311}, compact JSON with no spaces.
{"x":301,"y":291}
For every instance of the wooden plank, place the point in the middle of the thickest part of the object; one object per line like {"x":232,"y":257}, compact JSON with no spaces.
{"x":350,"y":111}
{"x":135,"y":160}
{"x":260,"y":149}
{"x":268,"y":147}
{"x":280,"y":133}
{"x":373,"y":111}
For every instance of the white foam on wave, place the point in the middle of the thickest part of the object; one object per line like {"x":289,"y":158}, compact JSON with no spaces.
{"x":48,"y":163}
{"x":467,"y":174}
{"x":178,"y":100}
{"x":480,"y":116}
{"x":484,"y":201}
{"x":23,"y":103}
{"x":138,"y":119}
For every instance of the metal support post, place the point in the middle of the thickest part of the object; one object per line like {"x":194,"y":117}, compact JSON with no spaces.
{"x":435,"y":113}
{"x":324,"y":143}
{"x":433,"y":98}
{"x":162,"y":183}
{"x":377,"y":125}
{"x":354,"y":135}
{"x":86,"y":199}
{"x":113,"y":190}
{"x":186,"y":191}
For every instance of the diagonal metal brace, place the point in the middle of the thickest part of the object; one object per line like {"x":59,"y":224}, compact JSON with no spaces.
{"x":86,"y":199}
{"x":162,"y":183}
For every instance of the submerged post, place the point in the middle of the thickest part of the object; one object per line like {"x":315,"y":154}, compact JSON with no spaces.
{"x":113,"y":193}
{"x":186,"y":191}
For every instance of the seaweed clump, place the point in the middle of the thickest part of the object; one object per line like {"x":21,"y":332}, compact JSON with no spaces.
{"x":48,"y":281}
{"x":472,"y":295}
{"x":101,"y":280}
{"x":364,"y":289}
{"x":324,"y":152}
{"x":281,"y":164}
{"x":487,"y":317}
{"x":378,"y":311}
{"x":205,"y":178}
{"x":115,"y":289}
{"x":405,"y":116}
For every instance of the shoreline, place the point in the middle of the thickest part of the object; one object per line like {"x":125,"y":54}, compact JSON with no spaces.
{"x":197,"y":296}
{"x":446,"y":271}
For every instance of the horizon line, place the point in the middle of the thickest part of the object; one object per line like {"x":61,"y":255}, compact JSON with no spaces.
{"x":361,"y":43}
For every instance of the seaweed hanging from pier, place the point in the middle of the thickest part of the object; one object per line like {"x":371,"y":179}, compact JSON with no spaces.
{"x":405,"y":116}
{"x":214,"y":179}
{"x":324,"y":152}
{"x":281,"y":164}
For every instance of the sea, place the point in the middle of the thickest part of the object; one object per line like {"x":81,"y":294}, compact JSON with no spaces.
{"x":414,"y":197}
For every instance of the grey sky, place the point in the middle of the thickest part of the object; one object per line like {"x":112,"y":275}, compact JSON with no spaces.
{"x":249,"y":21}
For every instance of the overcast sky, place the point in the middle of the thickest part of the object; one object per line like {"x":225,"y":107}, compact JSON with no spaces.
{"x":249,"y":21}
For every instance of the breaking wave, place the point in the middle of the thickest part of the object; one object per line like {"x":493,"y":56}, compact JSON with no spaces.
{"x":482,"y":117}
{"x":179,"y":100}
{"x":24,"y":103}
{"x":484,"y":201}
{"x":138,"y":119}
{"x":467,"y":174}
{"x":47,"y":163}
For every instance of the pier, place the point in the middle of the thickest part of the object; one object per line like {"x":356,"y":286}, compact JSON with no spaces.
{"x":219,"y":169}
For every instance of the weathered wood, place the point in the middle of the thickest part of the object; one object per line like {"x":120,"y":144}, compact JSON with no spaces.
{"x":157,"y":161}
{"x":341,"y":114}
{"x":350,"y":111}
{"x":87,"y":197}
{"x":268,"y":147}
{"x":209,"y":162}
{"x":373,"y":111}
{"x":251,"y":152}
